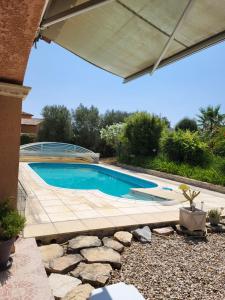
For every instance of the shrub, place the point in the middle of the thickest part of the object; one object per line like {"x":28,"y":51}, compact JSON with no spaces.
{"x":213,"y":173}
{"x":11,"y":222}
{"x":111,"y":134}
{"x":27,"y":139}
{"x":219,"y":142}
{"x":185,"y":146}
{"x":214,"y":216}
{"x":142,"y":132}
{"x":187,"y":124}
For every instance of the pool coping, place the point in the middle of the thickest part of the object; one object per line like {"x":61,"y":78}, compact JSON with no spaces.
{"x":108,"y":215}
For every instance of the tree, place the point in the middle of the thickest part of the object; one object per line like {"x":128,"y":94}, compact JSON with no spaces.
{"x":187,"y":124}
{"x":86,"y":127}
{"x":111,"y":135}
{"x":210,"y":119}
{"x":143,"y":132}
{"x":218,"y":142}
{"x":113,"y":117}
{"x":56,"y":126}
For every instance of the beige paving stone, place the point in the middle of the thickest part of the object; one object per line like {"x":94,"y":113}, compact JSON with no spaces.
{"x":80,"y":207}
{"x":36,"y":230}
{"x":97,"y":223}
{"x":109,"y":212}
{"x":57,"y":209}
{"x":119,"y":221}
{"x":144,"y":218}
{"x":70,"y":226}
{"x":51,"y":202}
{"x":57,"y":217}
{"x":87,"y":214}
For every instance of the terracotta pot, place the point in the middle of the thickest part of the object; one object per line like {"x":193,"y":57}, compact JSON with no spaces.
{"x":5,"y":249}
{"x":192,"y":220}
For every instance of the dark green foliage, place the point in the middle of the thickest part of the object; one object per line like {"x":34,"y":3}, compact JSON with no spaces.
{"x":111,"y":117}
{"x":143,"y":132}
{"x":213,"y":173}
{"x":27,"y":138}
{"x":86,"y":127}
{"x":56,"y":126}
{"x":185,"y":146}
{"x":11,"y":222}
{"x":187,"y":124}
{"x":210,"y":119}
{"x":218,"y":142}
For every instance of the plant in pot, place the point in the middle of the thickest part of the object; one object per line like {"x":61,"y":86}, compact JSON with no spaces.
{"x":215,"y":216}
{"x":191,"y":217}
{"x":11,"y":224}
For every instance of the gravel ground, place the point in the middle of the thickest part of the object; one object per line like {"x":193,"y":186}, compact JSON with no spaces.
{"x":176,"y":268}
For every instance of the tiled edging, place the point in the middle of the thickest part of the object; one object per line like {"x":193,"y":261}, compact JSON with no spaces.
{"x":200,"y":184}
{"x":104,"y":231}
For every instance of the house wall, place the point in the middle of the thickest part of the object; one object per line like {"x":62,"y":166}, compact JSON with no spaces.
{"x":29,"y":129}
{"x":19,"y":21}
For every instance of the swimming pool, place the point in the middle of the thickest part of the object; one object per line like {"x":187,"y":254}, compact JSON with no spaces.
{"x":90,"y":177}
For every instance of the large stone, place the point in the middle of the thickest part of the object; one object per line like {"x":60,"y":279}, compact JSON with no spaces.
{"x":83,"y":241}
{"x":124,"y":237}
{"x":61,"y":285}
{"x":96,"y":274}
{"x":50,"y":252}
{"x":65,"y":264}
{"x":102,"y":255}
{"x":80,"y":292}
{"x":163,"y":231}
{"x":111,"y":243}
{"x":144,"y":234}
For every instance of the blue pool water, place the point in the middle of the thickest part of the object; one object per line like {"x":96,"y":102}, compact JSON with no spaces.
{"x":89,"y":177}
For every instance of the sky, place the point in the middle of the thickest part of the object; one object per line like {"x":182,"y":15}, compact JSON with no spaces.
{"x":176,"y":91}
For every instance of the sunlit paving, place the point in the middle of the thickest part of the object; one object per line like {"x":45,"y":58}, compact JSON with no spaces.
{"x":112,"y":150}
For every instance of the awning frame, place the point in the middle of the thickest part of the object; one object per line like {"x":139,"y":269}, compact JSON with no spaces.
{"x":218,"y":38}
{"x":74,"y":11}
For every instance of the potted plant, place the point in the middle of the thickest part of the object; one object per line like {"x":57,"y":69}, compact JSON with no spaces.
{"x":191,"y":217}
{"x":11,"y":224}
{"x":214,"y":216}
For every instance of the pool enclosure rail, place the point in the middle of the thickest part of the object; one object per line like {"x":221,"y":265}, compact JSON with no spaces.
{"x":45,"y":150}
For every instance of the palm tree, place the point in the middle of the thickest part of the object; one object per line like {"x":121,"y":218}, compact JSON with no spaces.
{"x":210,"y":119}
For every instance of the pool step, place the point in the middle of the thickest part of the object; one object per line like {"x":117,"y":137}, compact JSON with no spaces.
{"x":160,"y":193}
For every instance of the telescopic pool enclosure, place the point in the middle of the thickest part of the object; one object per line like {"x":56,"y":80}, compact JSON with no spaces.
{"x":52,"y":151}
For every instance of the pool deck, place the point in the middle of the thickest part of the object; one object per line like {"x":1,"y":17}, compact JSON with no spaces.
{"x":52,"y":211}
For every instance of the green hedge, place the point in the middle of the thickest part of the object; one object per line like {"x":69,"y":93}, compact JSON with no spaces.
{"x":142,"y":133}
{"x":185,"y":146}
{"x":213,"y":173}
{"x":27,"y":138}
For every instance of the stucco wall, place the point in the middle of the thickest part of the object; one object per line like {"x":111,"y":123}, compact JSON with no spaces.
{"x":18,"y":24}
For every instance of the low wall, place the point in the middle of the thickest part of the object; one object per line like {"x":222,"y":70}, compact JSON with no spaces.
{"x":197,"y":183}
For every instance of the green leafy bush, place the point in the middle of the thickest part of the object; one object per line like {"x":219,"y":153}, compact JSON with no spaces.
{"x":11,"y":222}
{"x":27,"y":138}
{"x":185,"y":146}
{"x":219,"y":142}
{"x":213,"y":173}
{"x":142,"y":133}
{"x":187,"y":124}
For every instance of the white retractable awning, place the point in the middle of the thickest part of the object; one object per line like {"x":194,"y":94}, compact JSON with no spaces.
{"x":130,"y":38}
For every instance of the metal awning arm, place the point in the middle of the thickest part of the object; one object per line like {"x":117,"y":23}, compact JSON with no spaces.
{"x":171,"y":38}
{"x":74,"y":11}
